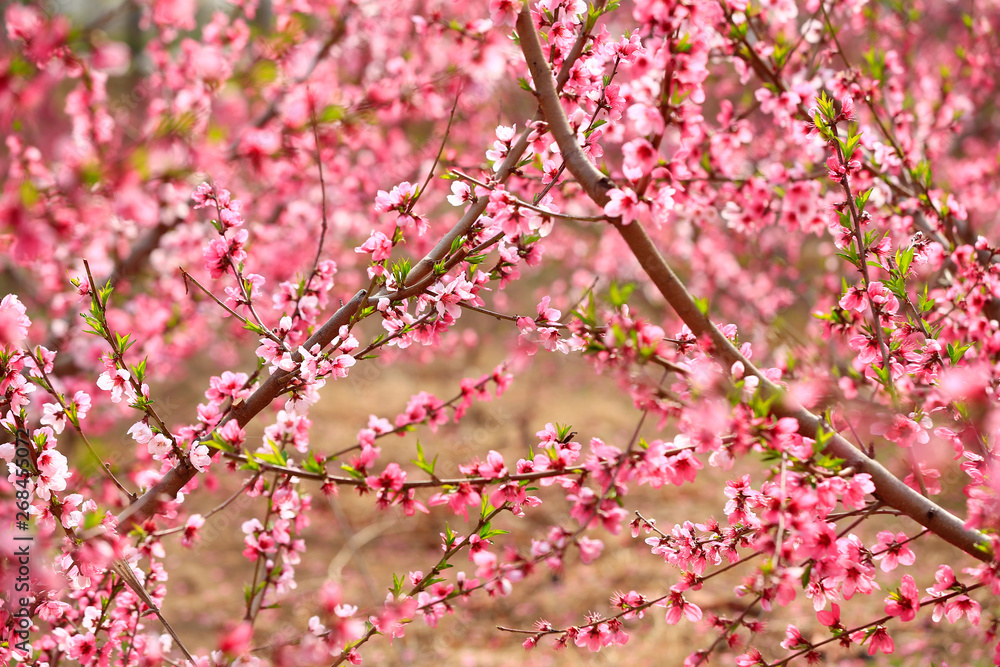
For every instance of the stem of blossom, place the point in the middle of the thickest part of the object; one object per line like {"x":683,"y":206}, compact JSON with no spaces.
{"x":124,"y":570}
{"x":929,"y":600}
{"x":437,"y":158}
{"x":431,"y":413}
{"x":237,"y":274}
{"x":531,"y":207}
{"x":732,"y":627}
{"x":118,"y":356}
{"x":267,"y":332}
{"x":178,"y":476}
{"x":869,"y":511}
{"x":429,"y":483}
{"x":780,"y":533}
{"x":324,"y":223}
{"x":508,"y":318}
{"x":948,"y":221}
{"x":439,"y":251}
{"x":917,"y":473}
{"x":215,"y":510}
{"x":430,"y":577}
{"x":271,"y":563}
{"x":75,"y":423}
{"x":888,"y":487}
{"x":863,"y":262}
{"x":551,"y":184}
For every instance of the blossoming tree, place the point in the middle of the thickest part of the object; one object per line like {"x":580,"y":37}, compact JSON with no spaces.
{"x":775,"y":224}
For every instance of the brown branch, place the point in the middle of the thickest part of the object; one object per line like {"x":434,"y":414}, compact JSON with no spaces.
{"x":425,"y":267}
{"x":890,"y":489}
{"x":168,"y":487}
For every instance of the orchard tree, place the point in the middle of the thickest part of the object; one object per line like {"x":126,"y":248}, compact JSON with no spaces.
{"x":773,"y":224}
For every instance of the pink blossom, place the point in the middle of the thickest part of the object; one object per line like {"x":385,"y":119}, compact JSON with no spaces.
{"x":590,"y":549}
{"x":624,"y":204}
{"x":867,"y":348}
{"x":639,"y":159}
{"x":829,"y":618}
{"x":677,"y":606}
{"x":159,"y":446}
{"x":962,"y":605}
{"x":397,"y":199}
{"x":378,"y":244}
{"x":855,"y":299}
{"x":459,"y":500}
{"x":200,"y":458}
{"x":461,"y":193}
{"x":233,"y":434}
{"x":53,"y":473}
{"x":391,"y":479}
{"x":847,"y":109}
{"x":175,"y":14}
{"x":628,"y":48}
{"x":191,"y":528}
{"x":906,"y":602}
{"x":504,"y":12}
{"x":237,"y":640}
{"x":14,"y":322}
{"x":53,"y":415}
{"x":892,"y":551}
{"x":880,"y":641}
{"x":885,"y":300}
{"x":752,"y":658}
{"x":904,"y":430}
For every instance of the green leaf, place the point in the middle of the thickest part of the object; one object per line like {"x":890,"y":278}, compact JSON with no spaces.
{"x":806,"y":573}
{"x":255,"y":328}
{"x":421,"y":461}
{"x":397,"y":584}
{"x":849,"y":146}
{"x":593,"y":127}
{"x":619,"y":295}
{"x":956,"y":352}
{"x":862,"y":199}
{"x":274,"y":457}
{"x":332,"y":113}
{"x":485,"y":508}
{"x":850,"y":255}
{"x":449,"y":536}
{"x":313,"y":464}
{"x":351,"y":471}
{"x":29,"y":194}
{"x":486,"y":532}
{"x":904,"y":258}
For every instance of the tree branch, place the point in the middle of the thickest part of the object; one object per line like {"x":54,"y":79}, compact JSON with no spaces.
{"x":889,"y":488}
{"x":168,"y":487}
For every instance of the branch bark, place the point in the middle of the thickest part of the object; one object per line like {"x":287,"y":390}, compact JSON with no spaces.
{"x":167,"y":488}
{"x":889,"y":488}
{"x":417,"y":278}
